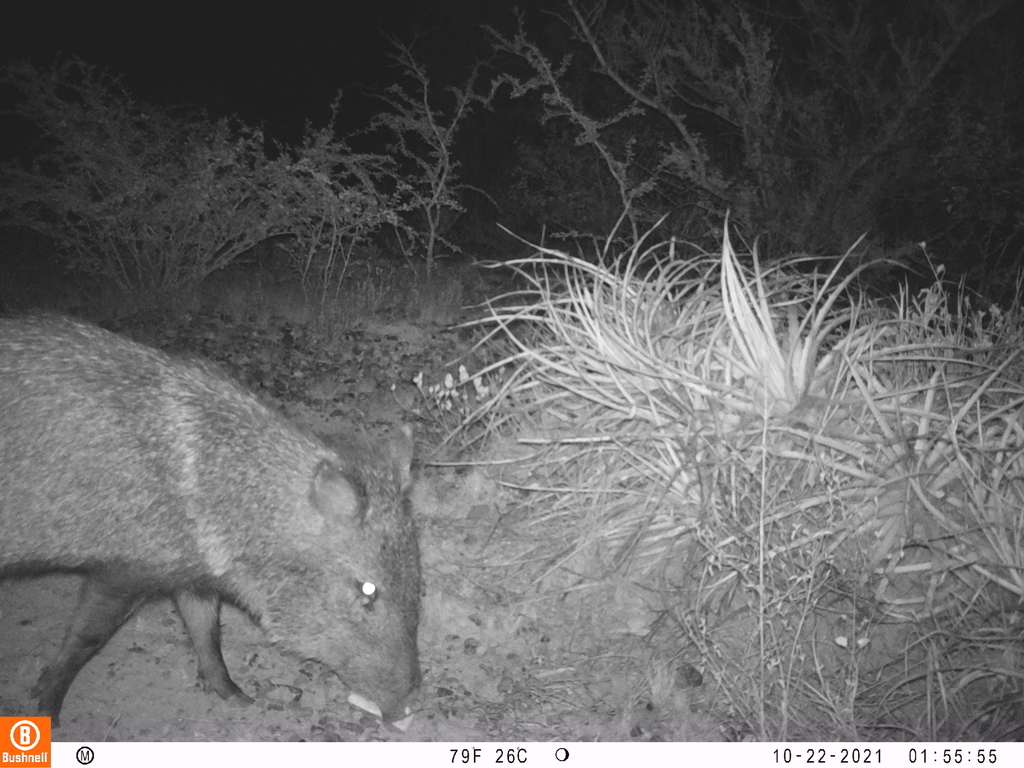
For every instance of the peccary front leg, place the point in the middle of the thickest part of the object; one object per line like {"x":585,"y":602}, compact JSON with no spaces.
{"x":103,"y":605}
{"x":201,"y":614}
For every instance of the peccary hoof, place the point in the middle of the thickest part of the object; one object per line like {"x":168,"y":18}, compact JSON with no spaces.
{"x":225,"y":688}
{"x":49,"y":691}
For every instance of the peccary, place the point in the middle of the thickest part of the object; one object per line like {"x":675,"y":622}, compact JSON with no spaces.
{"x":154,"y":476}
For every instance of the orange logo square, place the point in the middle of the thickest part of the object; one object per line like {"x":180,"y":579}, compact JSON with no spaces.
{"x":25,"y":741}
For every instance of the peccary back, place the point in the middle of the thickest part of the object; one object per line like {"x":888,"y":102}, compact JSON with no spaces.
{"x":156,"y":476}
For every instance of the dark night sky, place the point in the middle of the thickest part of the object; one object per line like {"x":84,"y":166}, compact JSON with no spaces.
{"x":274,"y":62}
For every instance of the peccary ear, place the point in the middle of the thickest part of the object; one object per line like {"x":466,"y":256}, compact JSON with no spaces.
{"x":402,"y":447}
{"x":337,"y":494}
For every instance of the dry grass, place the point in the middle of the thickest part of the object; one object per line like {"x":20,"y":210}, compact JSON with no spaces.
{"x":817,"y":497}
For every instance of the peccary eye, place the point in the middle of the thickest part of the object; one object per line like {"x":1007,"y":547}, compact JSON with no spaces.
{"x":367,"y":593}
